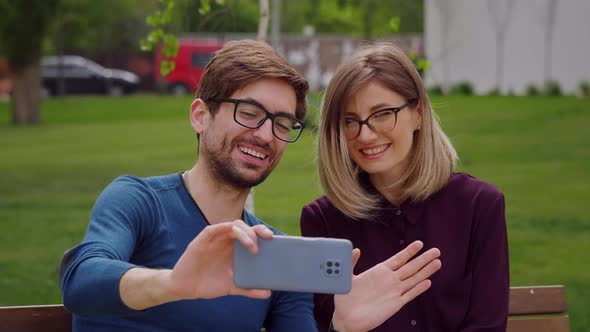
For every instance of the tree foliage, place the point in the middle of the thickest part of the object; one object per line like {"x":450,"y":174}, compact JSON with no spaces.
{"x":360,"y":18}
{"x":23,"y":26}
{"x":104,"y":24}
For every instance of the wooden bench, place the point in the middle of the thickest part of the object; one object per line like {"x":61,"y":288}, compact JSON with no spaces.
{"x":47,"y":318}
{"x":535,"y":308}
{"x":538,"y":309}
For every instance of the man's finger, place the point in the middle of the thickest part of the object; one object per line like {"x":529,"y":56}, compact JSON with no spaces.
{"x":263,"y":231}
{"x":416,"y":264}
{"x":252,"y":293}
{"x":240,"y":235}
{"x":246,"y":228}
{"x":212,"y":232}
{"x":398,"y":260}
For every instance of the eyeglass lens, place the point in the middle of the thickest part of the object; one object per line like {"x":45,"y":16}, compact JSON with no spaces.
{"x":252,"y":116}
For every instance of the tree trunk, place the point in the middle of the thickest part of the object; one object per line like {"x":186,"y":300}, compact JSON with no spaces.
{"x":26,"y":95}
{"x":263,"y":22}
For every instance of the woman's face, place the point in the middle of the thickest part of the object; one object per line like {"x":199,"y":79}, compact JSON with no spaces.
{"x":383,"y":155}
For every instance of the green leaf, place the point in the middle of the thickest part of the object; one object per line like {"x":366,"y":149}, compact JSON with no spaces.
{"x":205,"y":7}
{"x":166,"y":67}
{"x":394,"y":23}
{"x":170,"y":45}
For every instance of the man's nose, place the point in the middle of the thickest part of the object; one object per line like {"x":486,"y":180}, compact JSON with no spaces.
{"x":264,"y":132}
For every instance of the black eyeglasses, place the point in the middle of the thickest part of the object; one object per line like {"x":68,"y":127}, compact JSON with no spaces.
{"x":381,"y":122}
{"x":252,"y":115}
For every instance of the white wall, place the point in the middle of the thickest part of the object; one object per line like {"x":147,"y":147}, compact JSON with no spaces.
{"x":460,"y":41}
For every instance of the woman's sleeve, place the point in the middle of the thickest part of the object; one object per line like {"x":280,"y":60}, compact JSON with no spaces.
{"x":488,"y":310}
{"x":313,"y":224}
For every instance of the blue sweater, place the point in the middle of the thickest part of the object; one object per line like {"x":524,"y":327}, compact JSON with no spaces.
{"x":149,"y":222}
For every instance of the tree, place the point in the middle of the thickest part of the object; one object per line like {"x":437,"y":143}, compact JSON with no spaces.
{"x":23,"y":27}
{"x":549,"y":28}
{"x":445,"y":12}
{"x":500,"y":23}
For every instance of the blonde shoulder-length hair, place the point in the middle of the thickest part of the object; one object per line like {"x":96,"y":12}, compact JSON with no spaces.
{"x":432,"y":157}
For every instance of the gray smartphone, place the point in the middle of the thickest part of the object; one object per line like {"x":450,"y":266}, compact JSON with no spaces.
{"x":294,"y":263}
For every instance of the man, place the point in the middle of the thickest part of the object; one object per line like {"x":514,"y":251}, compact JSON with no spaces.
{"x":157,"y":254}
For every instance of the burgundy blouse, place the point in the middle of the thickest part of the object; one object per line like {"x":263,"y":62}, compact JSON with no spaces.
{"x":465,"y":220}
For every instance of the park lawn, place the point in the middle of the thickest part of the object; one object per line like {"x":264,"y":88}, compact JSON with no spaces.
{"x":536,"y":150}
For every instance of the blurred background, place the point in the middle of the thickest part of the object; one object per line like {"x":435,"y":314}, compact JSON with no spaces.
{"x":90,"y":90}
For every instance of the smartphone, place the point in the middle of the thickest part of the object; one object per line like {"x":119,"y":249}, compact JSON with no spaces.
{"x":294,"y":263}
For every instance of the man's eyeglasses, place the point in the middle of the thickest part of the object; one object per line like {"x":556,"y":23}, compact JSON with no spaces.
{"x":382,"y":121}
{"x":252,"y":115}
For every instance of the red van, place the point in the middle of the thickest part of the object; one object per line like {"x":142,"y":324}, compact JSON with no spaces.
{"x":193,"y":55}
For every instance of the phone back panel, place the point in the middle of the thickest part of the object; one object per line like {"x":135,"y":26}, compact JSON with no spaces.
{"x":292,"y":263}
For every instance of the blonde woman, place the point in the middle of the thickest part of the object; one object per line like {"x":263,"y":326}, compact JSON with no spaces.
{"x":388,"y":171}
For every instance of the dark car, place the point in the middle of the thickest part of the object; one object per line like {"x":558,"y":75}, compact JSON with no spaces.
{"x":84,"y":76}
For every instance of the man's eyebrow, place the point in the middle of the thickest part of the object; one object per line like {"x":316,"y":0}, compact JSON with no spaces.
{"x":255,"y":102}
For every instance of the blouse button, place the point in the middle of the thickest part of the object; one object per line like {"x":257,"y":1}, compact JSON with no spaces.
{"x":402,"y":242}
{"x":413,"y":322}
{"x":398,"y":212}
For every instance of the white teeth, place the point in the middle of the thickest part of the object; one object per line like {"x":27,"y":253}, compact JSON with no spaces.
{"x":375,"y":150}
{"x":252,"y":152}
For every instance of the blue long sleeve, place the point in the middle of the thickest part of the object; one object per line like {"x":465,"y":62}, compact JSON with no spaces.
{"x":149,"y":222}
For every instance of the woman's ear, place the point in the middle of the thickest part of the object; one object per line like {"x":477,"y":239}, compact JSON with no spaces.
{"x":199,"y":112}
{"x":418,"y":116}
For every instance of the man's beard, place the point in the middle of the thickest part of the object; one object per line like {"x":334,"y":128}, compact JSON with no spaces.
{"x":223,"y":168}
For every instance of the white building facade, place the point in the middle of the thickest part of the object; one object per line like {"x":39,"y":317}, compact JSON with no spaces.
{"x":507,"y":44}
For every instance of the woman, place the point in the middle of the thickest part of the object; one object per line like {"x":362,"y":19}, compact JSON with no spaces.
{"x":388,"y":171}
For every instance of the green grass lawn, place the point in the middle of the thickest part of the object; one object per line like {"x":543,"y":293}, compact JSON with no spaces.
{"x":536,"y":150}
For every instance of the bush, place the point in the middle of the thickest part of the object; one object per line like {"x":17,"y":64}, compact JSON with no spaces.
{"x":463,"y":88}
{"x":552,"y":88}
{"x":532,"y":90}
{"x":585,"y":89}
{"x":436,"y":90}
{"x":494,"y":92}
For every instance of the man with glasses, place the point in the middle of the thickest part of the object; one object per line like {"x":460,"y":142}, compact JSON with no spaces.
{"x":157,"y":254}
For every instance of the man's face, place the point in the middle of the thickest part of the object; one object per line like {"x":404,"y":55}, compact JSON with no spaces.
{"x":244,"y":157}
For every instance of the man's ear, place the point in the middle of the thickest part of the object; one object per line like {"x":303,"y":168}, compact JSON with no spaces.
{"x":199,"y":115}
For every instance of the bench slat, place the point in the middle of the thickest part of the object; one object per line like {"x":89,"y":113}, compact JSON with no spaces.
{"x":49,"y":318}
{"x":539,"y":324}
{"x":537,"y":300}
{"x":523,"y":301}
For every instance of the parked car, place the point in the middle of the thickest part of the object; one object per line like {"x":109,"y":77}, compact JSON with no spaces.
{"x":190,"y":61}
{"x":84,"y":76}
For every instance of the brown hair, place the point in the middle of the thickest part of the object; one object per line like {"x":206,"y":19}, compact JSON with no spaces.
{"x":241,"y":62}
{"x":432,"y":158}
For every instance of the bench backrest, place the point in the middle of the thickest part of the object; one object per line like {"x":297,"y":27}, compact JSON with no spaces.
{"x":48,"y":318}
{"x":536,"y":308}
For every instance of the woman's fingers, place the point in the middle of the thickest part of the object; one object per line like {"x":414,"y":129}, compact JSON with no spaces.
{"x":402,"y":257}
{"x":416,"y":264}
{"x":413,"y":292}
{"x":421,"y":275}
{"x":356,"y":254}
